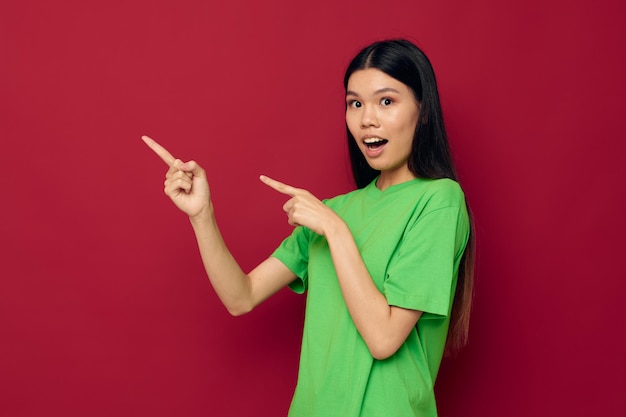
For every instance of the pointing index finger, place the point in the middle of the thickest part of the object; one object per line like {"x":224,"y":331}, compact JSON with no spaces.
{"x":279,"y":186}
{"x":167,"y":157}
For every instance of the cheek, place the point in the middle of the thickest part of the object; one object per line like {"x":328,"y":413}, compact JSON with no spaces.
{"x":400,"y":126}
{"x":352,"y":124}
{"x":408,"y":123}
{"x":410,"y":128}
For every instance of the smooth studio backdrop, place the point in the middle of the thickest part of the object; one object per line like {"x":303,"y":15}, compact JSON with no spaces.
{"x":104,"y":306}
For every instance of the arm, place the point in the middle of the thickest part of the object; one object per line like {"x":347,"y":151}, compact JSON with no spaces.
{"x":383,"y":327}
{"x":238,"y":291}
{"x":186,"y":184}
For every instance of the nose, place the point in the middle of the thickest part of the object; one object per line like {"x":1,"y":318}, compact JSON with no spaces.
{"x":369,"y":118}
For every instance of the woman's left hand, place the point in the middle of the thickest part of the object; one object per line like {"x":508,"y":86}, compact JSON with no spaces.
{"x":304,"y":209}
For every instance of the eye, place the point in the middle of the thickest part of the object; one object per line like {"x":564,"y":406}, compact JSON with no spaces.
{"x":355,"y":104}
{"x":386,"y":101}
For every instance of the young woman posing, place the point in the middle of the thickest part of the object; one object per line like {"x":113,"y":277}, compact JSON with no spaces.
{"x":387,"y":268}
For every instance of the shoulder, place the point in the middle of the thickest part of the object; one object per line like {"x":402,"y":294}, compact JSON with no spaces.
{"x":442,"y":196}
{"x":443,"y":203}
{"x":421,"y":193}
{"x":342,"y":199}
{"x":443,"y":192}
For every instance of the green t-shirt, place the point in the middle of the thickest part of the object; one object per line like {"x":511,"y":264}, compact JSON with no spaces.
{"x":411,"y":238}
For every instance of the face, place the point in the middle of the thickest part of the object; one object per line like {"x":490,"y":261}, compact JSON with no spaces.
{"x":382,"y":114}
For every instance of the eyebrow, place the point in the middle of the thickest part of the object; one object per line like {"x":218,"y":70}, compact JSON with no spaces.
{"x":377,"y":92}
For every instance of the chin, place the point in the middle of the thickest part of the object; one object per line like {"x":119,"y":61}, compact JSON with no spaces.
{"x":377,"y":165}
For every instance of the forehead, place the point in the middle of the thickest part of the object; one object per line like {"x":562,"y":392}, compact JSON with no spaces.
{"x":371,"y":81}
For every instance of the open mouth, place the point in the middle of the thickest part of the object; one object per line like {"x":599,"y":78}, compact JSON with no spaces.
{"x":374,"y":143}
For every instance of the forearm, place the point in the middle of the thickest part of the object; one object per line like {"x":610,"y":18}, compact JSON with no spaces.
{"x":231,"y":284}
{"x":384,"y":328}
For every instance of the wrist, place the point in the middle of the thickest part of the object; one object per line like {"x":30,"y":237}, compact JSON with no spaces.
{"x":336,"y":228}
{"x":205,"y":214}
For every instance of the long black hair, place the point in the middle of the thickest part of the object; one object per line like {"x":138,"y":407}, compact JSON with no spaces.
{"x":430,"y":154}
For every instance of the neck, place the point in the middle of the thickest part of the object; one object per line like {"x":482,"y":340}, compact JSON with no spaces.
{"x":389,"y":178}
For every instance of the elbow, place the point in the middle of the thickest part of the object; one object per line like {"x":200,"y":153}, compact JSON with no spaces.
{"x":382,"y":349}
{"x":239,"y":309}
{"x":236,"y":313}
{"x":381,"y":354}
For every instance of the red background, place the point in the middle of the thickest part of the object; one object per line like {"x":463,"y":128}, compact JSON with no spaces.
{"x":104,"y":306}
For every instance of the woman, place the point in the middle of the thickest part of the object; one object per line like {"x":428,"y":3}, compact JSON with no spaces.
{"x":387,"y":268}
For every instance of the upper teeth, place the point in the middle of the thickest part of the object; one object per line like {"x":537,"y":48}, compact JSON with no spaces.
{"x":373,"y":140}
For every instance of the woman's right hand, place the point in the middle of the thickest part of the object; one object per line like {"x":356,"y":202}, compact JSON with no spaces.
{"x":185,"y":182}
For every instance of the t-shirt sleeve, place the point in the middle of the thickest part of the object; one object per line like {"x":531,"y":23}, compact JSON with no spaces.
{"x":294,"y":253}
{"x":422,"y":276}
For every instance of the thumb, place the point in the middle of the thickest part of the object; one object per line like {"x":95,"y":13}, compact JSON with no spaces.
{"x":193,"y":168}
